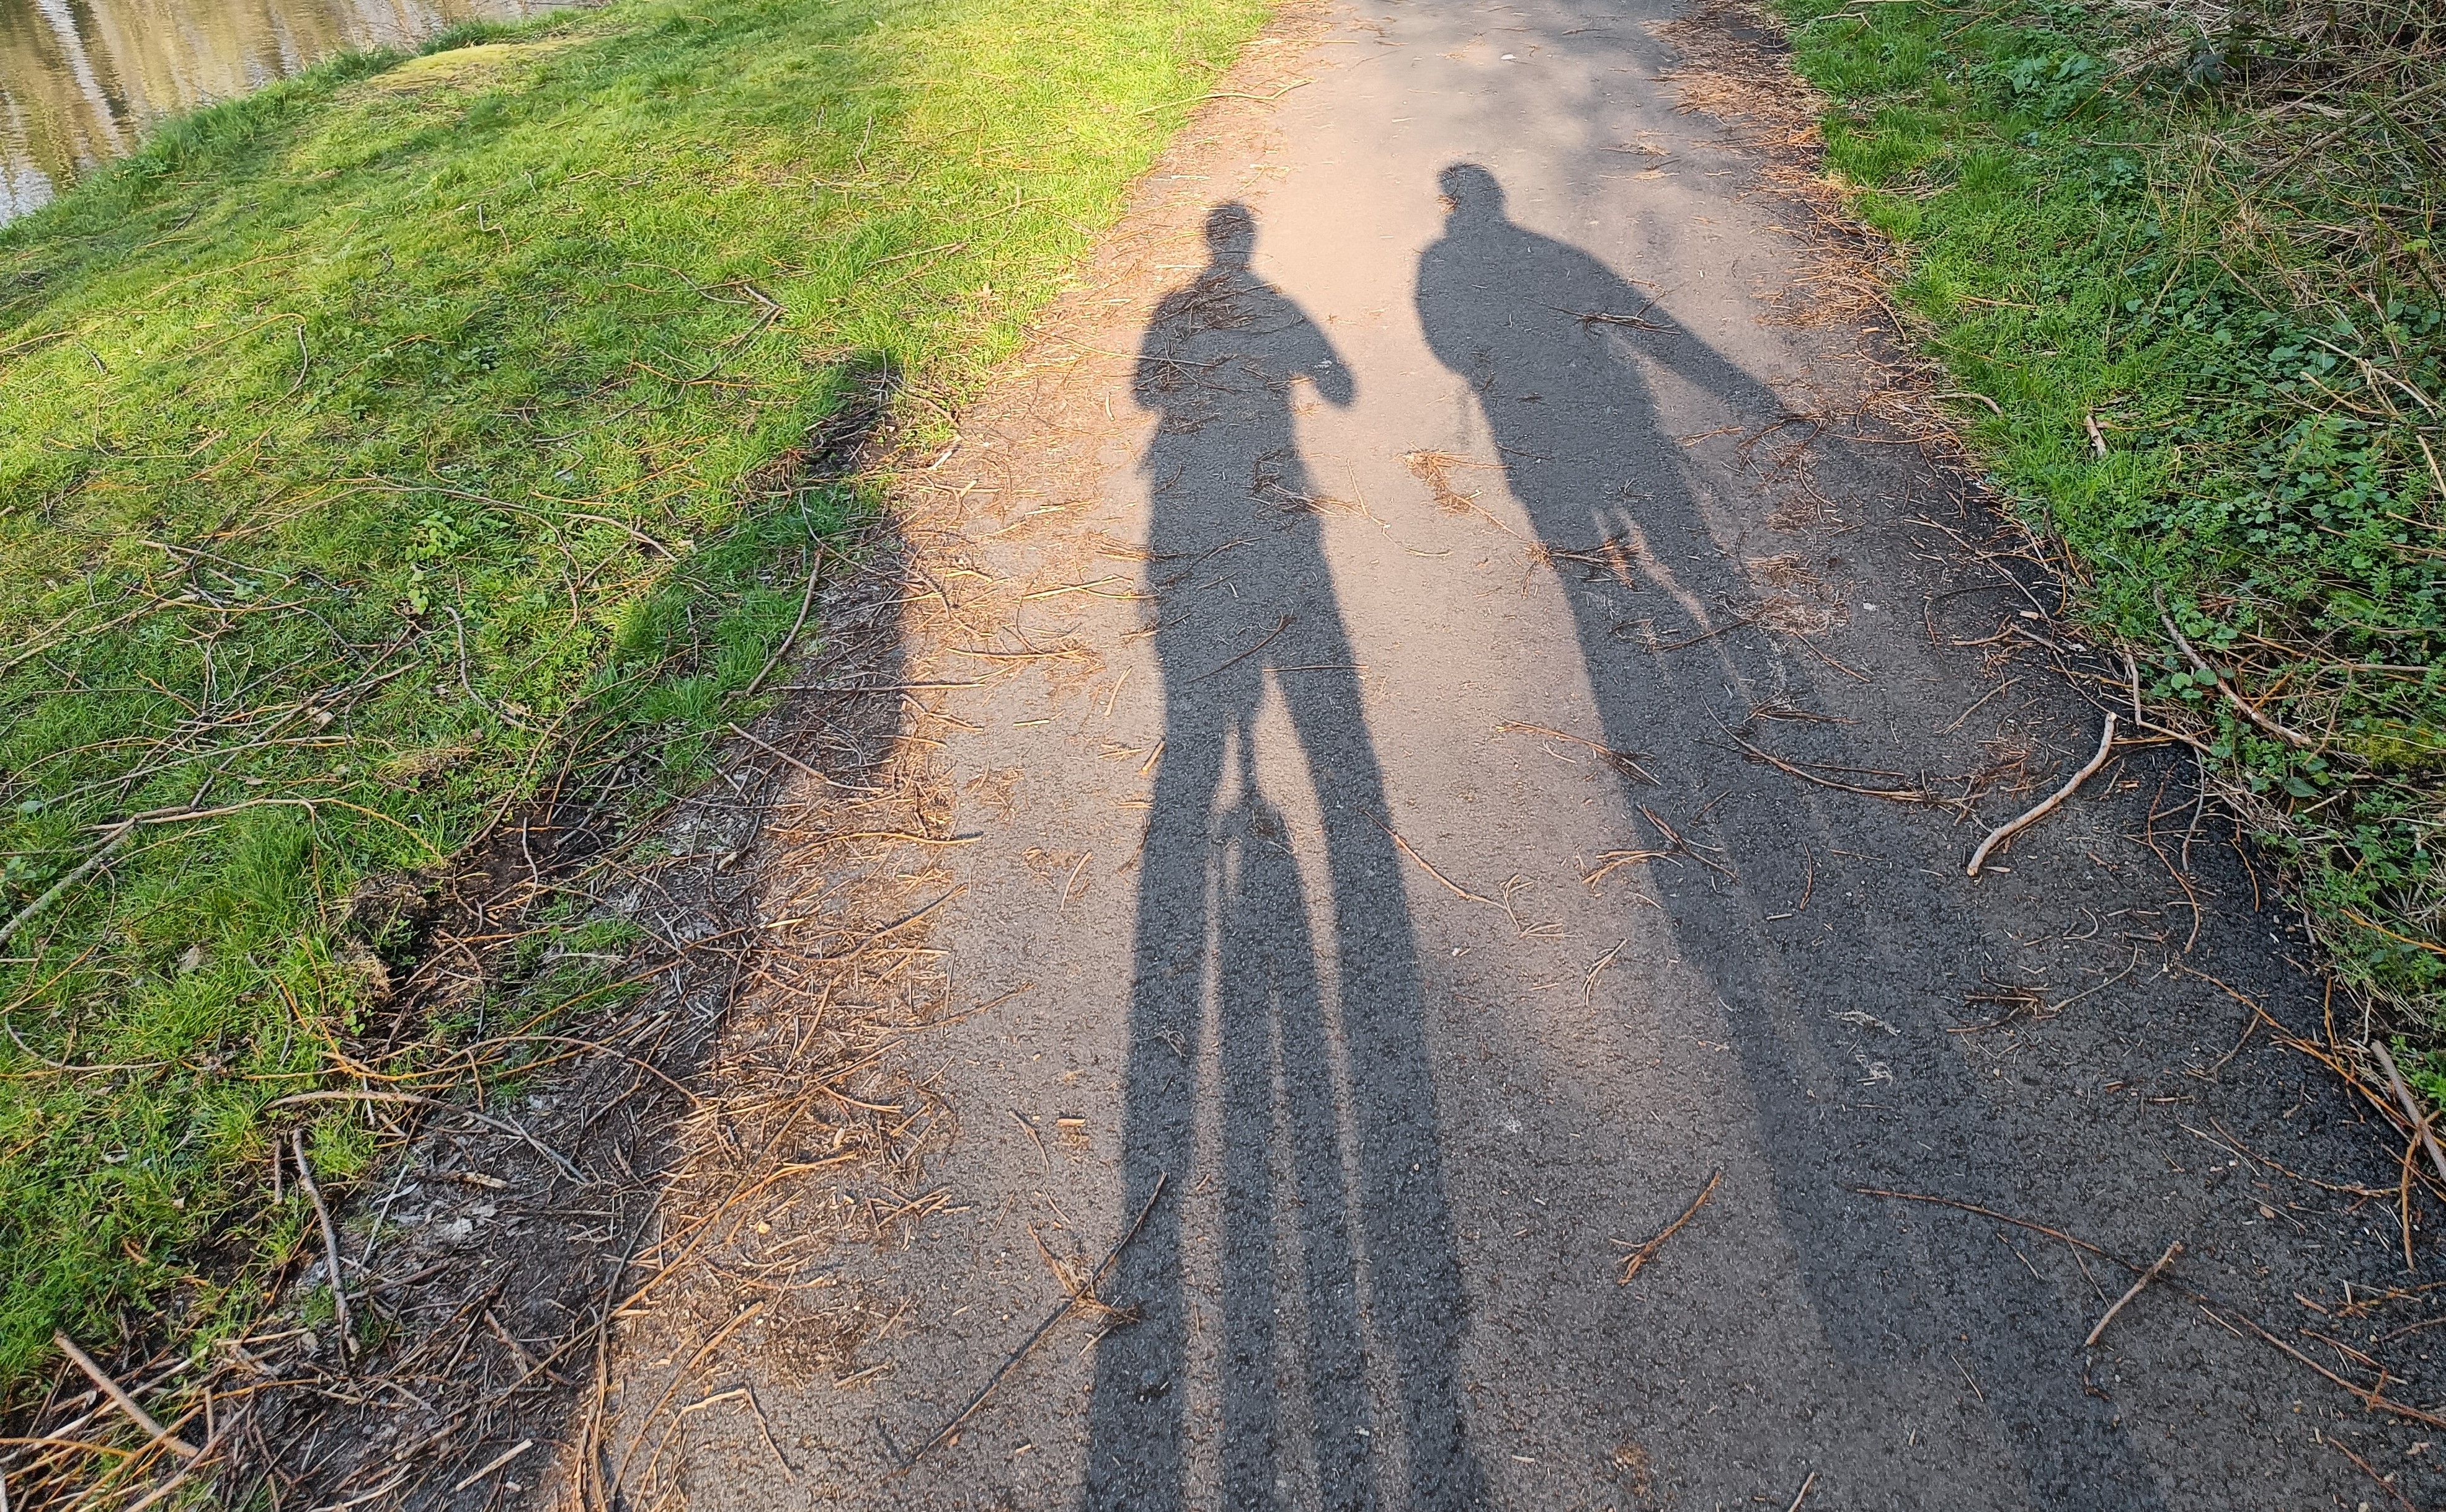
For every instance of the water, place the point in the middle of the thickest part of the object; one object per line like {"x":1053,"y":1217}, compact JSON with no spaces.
{"x":81,"y":80}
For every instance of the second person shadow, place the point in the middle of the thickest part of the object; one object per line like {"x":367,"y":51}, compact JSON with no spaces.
{"x":1591,"y":398}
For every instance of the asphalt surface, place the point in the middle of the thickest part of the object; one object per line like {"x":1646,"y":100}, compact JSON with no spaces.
{"x":1433,"y":428}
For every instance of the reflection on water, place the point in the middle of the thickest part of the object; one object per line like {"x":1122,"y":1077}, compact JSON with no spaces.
{"x":81,"y":80}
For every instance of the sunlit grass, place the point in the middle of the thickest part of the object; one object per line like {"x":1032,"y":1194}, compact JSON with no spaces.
{"x":379,"y":448}
{"x":2110,"y":220}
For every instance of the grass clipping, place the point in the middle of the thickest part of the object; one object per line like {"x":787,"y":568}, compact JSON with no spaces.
{"x":406,"y":441}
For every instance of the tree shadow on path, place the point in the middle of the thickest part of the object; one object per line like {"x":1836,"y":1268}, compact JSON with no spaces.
{"x":1341,"y":1310}
{"x":1591,"y":398}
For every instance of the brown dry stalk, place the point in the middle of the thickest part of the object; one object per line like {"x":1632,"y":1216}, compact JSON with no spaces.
{"x":1640,"y":1256}
{"x":2049,"y":805}
{"x":2147,"y":1276}
{"x":1624,"y":761}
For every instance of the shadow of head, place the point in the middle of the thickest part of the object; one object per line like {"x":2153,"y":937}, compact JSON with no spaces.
{"x":1470,"y":193}
{"x":1231,"y":233}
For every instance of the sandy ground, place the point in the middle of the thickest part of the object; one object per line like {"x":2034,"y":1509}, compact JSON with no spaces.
{"x":1344,"y":646}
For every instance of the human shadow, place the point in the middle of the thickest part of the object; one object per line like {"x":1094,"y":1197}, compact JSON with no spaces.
{"x":1341,"y":1307}
{"x":1589,"y":395}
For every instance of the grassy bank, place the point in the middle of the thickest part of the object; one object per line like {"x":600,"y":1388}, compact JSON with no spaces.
{"x":424,"y":432}
{"x":2192,"y":258}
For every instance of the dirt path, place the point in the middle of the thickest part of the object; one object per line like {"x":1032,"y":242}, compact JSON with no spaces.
{"x":1343,"y":631}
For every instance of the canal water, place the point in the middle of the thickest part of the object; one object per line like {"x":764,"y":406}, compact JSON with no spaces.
{"x":82,"y":80}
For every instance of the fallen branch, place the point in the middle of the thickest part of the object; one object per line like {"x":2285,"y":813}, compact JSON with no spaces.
{"x":2145,"y":1276}
{"x":1061,"y":1311}
{"x":2411,"y":1109}
{"x":119,"y":1399}
{"x":1647,"y":1252}
{"x":2011,"y":827}
{"x":2241,"y":705}
{"x":331,"y":1241}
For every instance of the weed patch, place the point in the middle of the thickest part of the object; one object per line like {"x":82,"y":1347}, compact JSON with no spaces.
{"x":2191,"y":254}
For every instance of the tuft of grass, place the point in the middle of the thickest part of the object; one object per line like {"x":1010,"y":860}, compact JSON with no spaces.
{"x":417,"y":435}
{"x":2215,"y":237}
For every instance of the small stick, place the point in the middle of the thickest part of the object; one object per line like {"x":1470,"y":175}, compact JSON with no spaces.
{"x":2370,"y":1470}
{"x":2007,"y":830}
{"x":499,"y":1125}
{"x":330,"y":1240}
{"x":785,"y":755}
{"x":2241,"y":705}
{"x":2147,"y":1276}
{"x":1621,"y":760}
{"x":119,"y":833}
{"x":1042,"y":1153}
{"x":806,"y":601}
{"x":1647,"y":1252}
{"x":1898,"y":795}
{"x":493,"y":1463}
{"x":1084,"y":1295}
{"x":1802,"y":1495}
{"x":163,"y":1490}
{"x":1456,"y":889}
{"x":121,"y":1400}
{"x":2411,"y":1109}
{"x":1281,"y":625}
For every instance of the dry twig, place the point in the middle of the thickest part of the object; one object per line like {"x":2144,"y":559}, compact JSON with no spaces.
{"x":2147,"y":1276}
{"x":2014,"y":826}
{"x":119,"y":1399}
{"x":1622,"y":762}
{"x":2411,"y":1108}
{"x":806,"y":600}
{"x":2241,"y":706}
{"x":1072,"y":1299}
{"x":330,"y":1243}
{"x":1640,"y":1256}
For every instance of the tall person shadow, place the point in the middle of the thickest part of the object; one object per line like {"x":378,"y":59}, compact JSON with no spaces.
{"x":1320,"y":1210}
{"x":1589,"y":396}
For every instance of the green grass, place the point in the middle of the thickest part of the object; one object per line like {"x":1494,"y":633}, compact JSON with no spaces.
{"x":2103,"y":216}
{"x":380,"y":449}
